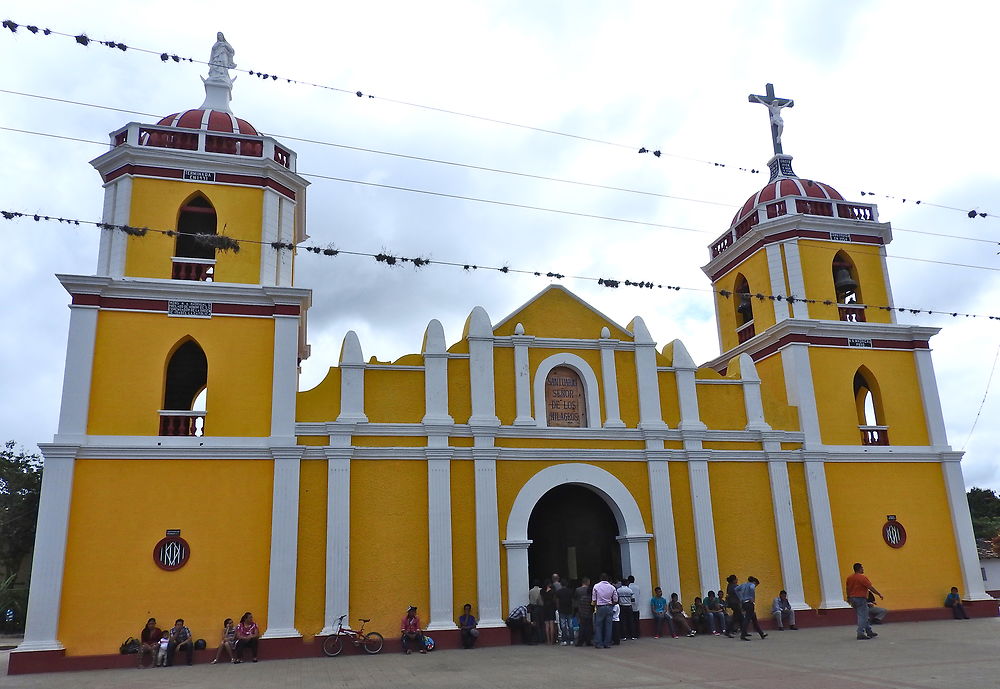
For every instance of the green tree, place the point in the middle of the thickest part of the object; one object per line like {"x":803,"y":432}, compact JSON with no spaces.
{"x":984,"y":505}
{"x":20,"y":488}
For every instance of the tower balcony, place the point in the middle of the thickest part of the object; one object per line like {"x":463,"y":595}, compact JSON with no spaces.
{"x":851,"y":313}
{"x":874,"y":435}
{"x":182,"y":423}
{"x":203,"y":141}
{"x":198,"y":269}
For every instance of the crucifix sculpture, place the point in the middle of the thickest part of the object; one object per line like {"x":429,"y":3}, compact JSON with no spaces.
{"x":774,"y":106}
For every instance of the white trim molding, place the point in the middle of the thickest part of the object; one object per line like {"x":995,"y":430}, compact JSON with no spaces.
{"x":704,"y":523}
{"x":961,"y":522}
{"x":784,"y":526}
{"x":338,"y":534}
{"x":439,"y":538}
{"x":435,"y":352}
{"x":825,"y":544}
{"x":609,"y":375}
{"x":590,"y":387}
{"x":522,"y":377}
{"x":352,"y":381}
{"x":487,"y":537}
{"x":284,"y":544}
{"x":81,"y":341}
{"x":665,"y":543}
{"x":285,"y":378}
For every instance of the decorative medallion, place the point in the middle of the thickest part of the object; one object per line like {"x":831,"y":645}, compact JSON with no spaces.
{"x":893,"y":532}
{"x":172,"y":552}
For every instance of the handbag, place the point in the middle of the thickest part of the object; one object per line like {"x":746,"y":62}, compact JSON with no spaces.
{"x":474,"y":632}
{"x":131,"y":645}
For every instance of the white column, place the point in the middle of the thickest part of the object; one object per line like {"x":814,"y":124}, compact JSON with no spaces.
{"x":117,"y":208}
{"x":704,"y":526}
{"x":286,"y":234}
{"x":961,"y":523}
{"x":800,"y":391}
{"x":796,"y":282}
{"x":284,"y":544}
{"x":435,"y":376}
{"x":831,"y":590}
{"x":269,"y":233}
{"x":338,"y":533}
{"x":439,"y":535}
{"x":687,"y":392}
{"x":784,"y":523}
{"x":776,"y":273}
{"x":479,"y":332}
{"x":74,"y":409}
{"x":517,"y":572}
{"x":522,"y":377}
{"x":49,"y":557}
{"x":284,"y":379}
{"x":888,"y":286}
{"x":352,"y":381}
{"x":635,"y":561}
{"x":664,"y":533}
{"x":609,"y":380}
{"x":650,"y":414}
{"x":752,"y":402}
{"x":931,"y":401}
{"x":487,"y":537}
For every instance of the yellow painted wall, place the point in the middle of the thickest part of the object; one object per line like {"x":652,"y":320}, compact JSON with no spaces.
{"x":817,"y":271}
{"x":130,"y":363}
{"x":121,"y":508}
{"x":687,"y":555}
{"x":628,"y":388}
{"x":744,"y":525}
{"x":670,"y":408}
{"x":721,"y":407}
{"x":459,"y":390}
{"x":463,"y":537}
{"x":896,"y":375}
{"x":156,"y":203}
{"x":756,"y":271}
{"x":388,"y":506}
{"x":557,"y":313}
{"x":803,"y":533}
{"x":777,"y":412}
{"x":389,"y":440}
{"x":919,"y":574}
{"x":503,"y":384}
{"x":580,"y":444}
{"x":321,"y":403}
{"x":310,"y":575}
{"x":394,"y":396}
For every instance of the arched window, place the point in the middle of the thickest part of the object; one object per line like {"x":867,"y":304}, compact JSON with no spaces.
{"x":743,"y":303}
{"x":847,"y":287}
{"x":194,"y":260}
{"x":186,"y":380}
{"x":868,"y":406}
{"x":565,"y":399}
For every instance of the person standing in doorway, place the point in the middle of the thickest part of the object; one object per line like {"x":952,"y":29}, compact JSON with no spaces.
{"x":625,"y":601}
{"x":535,"y":611}
{"x":858,"y":587}
{"x":556,"y":581}
{"x":549,"y":612}
{"x":584,"y":613}
{"x":604,"y":598}
{"x":564,"y":606}
{"x":636,"y":597}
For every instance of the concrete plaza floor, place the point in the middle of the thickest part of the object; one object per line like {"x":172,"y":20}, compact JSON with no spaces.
{"x":915,"y":655}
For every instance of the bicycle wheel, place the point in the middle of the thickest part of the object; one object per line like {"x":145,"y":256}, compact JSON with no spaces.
{"x":373,"y":642}
{"x":333,"y":645}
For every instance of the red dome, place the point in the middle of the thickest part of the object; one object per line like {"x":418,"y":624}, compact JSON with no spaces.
{"x":211,"y":120}
{"x":788,"y":186}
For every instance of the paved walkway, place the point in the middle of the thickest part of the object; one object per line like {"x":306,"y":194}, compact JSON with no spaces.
{"x":914,"y":655}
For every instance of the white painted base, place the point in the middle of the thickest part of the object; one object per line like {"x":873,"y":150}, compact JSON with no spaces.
{"x":288,"y":633}
{"x":29,"y":646}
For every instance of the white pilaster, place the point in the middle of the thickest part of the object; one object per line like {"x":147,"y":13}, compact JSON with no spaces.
{"x":284,"y":380}
{"x":931,"y":400}
{"x":664,"y":533}
{"x":776,"y":273}
{"x":117,"y":208}
{"x":635,"y":561}
{"x":439,"y":536}
{"x":435,"y":375}
{"x":49,"y":557}
{"x":888,"y":286}
{"x":73,"y":412}
{"x":517,"y":572}
{"x":752,"y":402}
{"x":687,"y":392}
{"x":479,"y":332}
{"x":487,"y":536}
{"x":784,"y":523}
{"x":800,"y":391}
{"x":286,"y":234}
{"x":796,"y":283}
{"x":650,"y":414}
{"x":961,"y":523}
{"x":269,"y":233}
{"x":284,"y":544}
{"x":352,"y":381}
{"x":522,"y":377}
{"x":338,"y":533}
{"x":831,"y":591}
{"x":704,"y":526}
{"x":609,"y":380}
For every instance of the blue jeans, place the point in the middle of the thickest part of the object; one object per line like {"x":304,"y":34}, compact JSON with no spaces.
{"x":566,"y":628}
{"x":716,"y":621}
{"x":860,"y":606}
{"x":602,"y":627}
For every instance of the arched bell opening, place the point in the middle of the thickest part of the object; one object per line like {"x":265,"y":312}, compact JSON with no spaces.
{"x":194,"y":259}
{"x":869,"y":410}
{"x":847,"y":288}
{"x":743,"y":303}
{"x":185,"y":390}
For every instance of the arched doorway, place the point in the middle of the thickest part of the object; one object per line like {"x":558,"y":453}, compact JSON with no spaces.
{"x":573,"y":532}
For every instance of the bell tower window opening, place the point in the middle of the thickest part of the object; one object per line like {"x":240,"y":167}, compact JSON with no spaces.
{"x":868,"y":407}
{"x":194,"y":260}
{"x":185,"y":385}
{"x":845,"y":283}
{"x":744,"y":309}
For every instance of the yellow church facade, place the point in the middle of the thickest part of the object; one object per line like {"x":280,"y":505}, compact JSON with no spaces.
{"x":191,"y":478}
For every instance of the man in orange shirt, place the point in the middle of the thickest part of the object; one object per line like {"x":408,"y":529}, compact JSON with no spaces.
{"x":858,"y":586}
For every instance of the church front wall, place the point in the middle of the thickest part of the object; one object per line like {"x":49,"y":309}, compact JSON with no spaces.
{"x":669,"y":408}
{"x":310,"y":573}
{"x":121,"y":508}
{"x":721,"y":406}
{"x":156,"y":204}
{"x":503,"y":372}
{"x":778,"y":413}
{"x":394,"y":396}
{"x":463,"y":535}
{"x":817,"y":272}
{"x":687,"y":554}
{"x":459,"y":390}
{"x":862,"y":494}
{"x":130,"y":361}
{"x":804,"y":533}
{"x":628,"y":395}
{"x":321,"y":403}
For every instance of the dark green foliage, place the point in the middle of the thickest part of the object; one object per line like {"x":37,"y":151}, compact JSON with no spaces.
{"x":985,"y":508}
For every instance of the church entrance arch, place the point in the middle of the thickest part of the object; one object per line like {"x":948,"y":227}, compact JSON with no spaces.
{"x":572,"y":532}
{"x":632,"y":538}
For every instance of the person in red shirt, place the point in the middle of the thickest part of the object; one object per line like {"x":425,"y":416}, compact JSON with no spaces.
{"x":858,"y":586}
{"x":413,"y":635}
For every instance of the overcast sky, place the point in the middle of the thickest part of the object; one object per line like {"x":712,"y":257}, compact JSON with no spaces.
{"x":889,"y":98}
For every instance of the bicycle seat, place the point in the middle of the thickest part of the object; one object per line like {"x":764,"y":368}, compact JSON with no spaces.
{"x":361,"y":619}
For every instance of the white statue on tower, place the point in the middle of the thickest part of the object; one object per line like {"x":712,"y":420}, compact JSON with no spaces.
{"x":221,"y":60}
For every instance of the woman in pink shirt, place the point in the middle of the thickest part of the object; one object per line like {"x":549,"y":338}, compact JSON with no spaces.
{"x":247,"y":634}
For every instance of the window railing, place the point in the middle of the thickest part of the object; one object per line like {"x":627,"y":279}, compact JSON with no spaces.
{"x":852,"y":313}
{"x":156,"y":136}
{"x":197,"y":269}
{"x":745,"y":332}
{"x":182,"y":423}
{"x":874,"y":435}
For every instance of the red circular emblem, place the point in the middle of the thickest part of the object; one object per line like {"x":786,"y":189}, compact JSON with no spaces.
{"x":894,"y":534}
{"x":171,"y":553}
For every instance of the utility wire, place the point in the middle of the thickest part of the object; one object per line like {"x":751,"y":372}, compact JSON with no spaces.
{"x":983,"y":403}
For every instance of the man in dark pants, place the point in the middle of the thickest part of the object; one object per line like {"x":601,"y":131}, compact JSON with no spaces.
{"x":180,"y":640}
{"x":584,"y":613}
{"x":625,"y":611}
{"x":733,"y":603}
{"x":748,"y":597}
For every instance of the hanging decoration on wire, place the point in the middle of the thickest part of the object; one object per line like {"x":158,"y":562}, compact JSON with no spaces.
{"x":971,"y":214}
{"x":227,"y":243}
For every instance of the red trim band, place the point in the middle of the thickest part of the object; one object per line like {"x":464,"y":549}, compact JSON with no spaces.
{"x":160,"y":306}
{"x":175,"y":173}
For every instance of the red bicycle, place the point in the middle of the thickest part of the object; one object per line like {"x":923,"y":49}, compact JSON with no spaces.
{"x":371,"y":642}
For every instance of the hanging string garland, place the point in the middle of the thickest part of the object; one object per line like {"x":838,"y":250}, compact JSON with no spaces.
{"x":227,"y":243}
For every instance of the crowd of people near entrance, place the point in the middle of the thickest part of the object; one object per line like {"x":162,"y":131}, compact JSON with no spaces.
{"x":163,"y":645}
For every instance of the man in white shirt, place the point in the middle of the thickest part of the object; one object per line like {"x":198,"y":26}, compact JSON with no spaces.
{"x":604,"y":597}
{"x":636,"y":597}
{"x":625,"y":600}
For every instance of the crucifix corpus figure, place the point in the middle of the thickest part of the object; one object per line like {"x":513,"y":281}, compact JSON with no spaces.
{"x":221,"y":60}
{"x":774,"y":106}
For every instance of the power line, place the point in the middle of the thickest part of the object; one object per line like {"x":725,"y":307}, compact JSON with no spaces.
{"x":989,"y":381}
